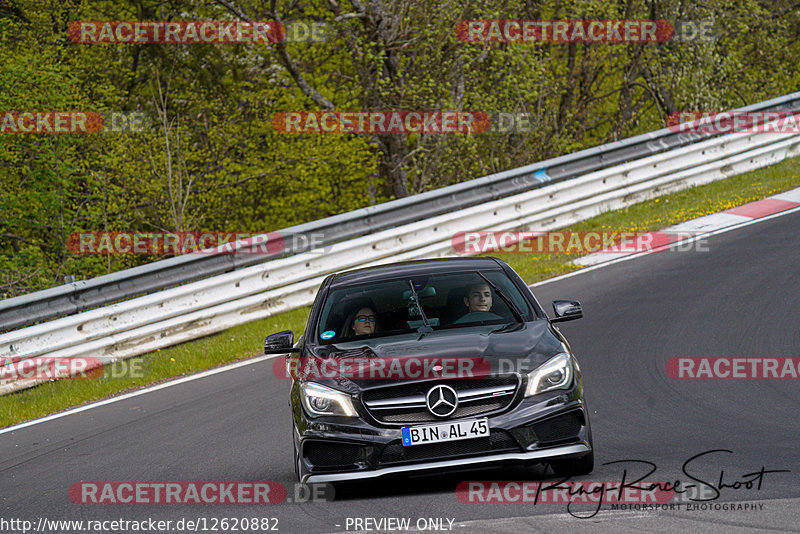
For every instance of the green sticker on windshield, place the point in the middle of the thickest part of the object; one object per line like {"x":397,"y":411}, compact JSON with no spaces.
{"x":327,"y":334}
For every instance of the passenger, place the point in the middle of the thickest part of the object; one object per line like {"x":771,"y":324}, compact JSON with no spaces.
{"x":364,"y":322}
{"x":361,"y":320}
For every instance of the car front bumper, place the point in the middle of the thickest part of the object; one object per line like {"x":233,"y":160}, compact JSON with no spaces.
{"x":547,"y":427}
{"x":543,"y":455}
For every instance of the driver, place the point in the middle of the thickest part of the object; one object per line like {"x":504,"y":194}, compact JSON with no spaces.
{"x":479,"y":298}
{"x":479,"y":303}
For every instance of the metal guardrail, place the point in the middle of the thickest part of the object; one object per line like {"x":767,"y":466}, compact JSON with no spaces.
{"x":211,"y":305}
{"x":79,"y":296}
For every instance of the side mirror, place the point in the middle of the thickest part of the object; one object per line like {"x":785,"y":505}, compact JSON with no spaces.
{"x":566,"y":310}
{"x":280,"y":343}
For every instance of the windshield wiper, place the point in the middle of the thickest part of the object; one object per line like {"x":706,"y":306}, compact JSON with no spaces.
{"x":426,"y":328}
{"x":503,"y":296}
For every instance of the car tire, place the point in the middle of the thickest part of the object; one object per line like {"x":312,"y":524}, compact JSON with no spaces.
{"x":576,"y":467}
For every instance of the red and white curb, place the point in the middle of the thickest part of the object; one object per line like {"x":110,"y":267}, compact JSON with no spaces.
{"x":687,"y":231}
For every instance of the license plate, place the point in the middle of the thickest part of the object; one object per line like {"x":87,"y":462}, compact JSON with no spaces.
{"x":419,"y":435}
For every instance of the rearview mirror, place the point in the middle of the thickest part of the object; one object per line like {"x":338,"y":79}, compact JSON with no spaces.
{"x":566,"y":310}
{"x":280,"y":343}
{"x":427,"y":291}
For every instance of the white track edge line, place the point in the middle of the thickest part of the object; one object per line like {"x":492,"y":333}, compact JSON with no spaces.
{"x":142,"y":391}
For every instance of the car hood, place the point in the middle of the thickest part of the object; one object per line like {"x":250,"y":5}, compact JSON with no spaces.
{"x":515,"y":348}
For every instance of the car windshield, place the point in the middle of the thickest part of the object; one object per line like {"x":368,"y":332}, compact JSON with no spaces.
{"x":390,"y":307}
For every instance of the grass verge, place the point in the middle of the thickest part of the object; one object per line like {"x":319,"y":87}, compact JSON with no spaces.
{"x":245,"y":341}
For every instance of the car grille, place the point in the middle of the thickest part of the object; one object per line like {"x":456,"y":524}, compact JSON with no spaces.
{"x":331,"y":454}
{"x":405,"y":403}
{"x":498,"y":441}
{"x":559,"y":428}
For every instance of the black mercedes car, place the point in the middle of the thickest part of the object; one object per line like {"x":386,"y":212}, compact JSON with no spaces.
{"x":432,"y":365}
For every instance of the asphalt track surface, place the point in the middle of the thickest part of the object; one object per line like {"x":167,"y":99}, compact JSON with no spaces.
{"x":741,"y":298}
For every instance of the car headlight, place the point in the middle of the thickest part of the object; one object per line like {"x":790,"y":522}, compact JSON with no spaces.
{"x":320,"y":400}
{"x":555,"y":373}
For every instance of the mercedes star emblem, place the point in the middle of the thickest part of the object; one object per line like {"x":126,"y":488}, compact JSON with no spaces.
{"x":442,"y":400}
